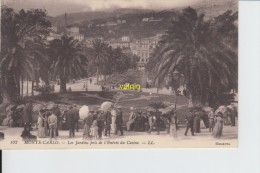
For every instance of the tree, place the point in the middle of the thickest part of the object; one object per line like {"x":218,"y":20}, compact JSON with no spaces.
{"x":67,"y":59}
{"x":194,"y":47}
{"x":21,"y":34}
{"x":98,"y":55}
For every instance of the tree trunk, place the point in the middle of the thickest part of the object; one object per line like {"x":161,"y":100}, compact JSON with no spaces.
{"x":97,"y":74}
{"x":6,"y":96}
{"x":63,"y":82}
{"x":22,"y":88}
{"x":9,"y":88}
{"x":32,"y":88}
{"x":27,"y":87}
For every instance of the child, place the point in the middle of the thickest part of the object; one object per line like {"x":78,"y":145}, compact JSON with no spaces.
{"x":94,"y":130}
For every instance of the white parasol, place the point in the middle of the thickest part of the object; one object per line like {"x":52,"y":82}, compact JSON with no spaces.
{"x":207,"y":109}
{"x":83,"y":112}
{"x":51,"y":106}
{"x":20,"y":107}
{"x":221,"y":109}
{"x":105,"y":106}
{"x":10,"y":107}
{"x":37,"y":108}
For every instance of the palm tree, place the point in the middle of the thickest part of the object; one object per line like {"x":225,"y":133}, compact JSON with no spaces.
{"x":192,"y":47}
{"x":98,"y":55}
{"x":19,"y":49}
{"x":67,"y":59}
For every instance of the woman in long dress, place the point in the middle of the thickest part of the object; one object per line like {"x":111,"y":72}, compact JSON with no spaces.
{"x":94,"y":130}
{"x":113,"y":124}
{"x":173,"y":127}
{"x":42,"y":126}
{"x":211,"y":120}
{"x":218,"y":128}
{"x":87,"y":125}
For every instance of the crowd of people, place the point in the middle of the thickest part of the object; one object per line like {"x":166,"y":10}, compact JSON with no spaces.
{"x":100,"y":123}
{"x":214,"y":121}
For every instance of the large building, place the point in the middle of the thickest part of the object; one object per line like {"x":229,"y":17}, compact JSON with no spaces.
{"x":73,"y":31}
{"x":122,"y":43}
{"x":143,"y":49}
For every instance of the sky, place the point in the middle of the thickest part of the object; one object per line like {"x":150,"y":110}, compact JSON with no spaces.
{"x":57,"y":7}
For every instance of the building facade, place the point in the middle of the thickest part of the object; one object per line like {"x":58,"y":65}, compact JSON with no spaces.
{"x":143,"y":49}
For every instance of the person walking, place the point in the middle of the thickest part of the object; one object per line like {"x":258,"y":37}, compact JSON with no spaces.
{"x":156,"y":123}
{"x":58,"y":114}
{"x":119,"y":121}
{"x":108,"y":121}
{"x":42,"y":125}
{"x":94,"y":130}
{"x":196,"y":122}
{"x":72,"y":120}
{"x":189,"y":121}
{"x":113,"y":122}
{"x":233,"y":116}
{"x":100,"y":123}
{"x":218,"y":128}
{"x":87,"y":125}
{"x":211,"y":117}
{"x":131,"y":120}
{"x":173,"y":127}
{"x":52,"y":121}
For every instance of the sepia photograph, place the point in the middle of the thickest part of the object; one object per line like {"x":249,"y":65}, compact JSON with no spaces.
{"x":119,"y":74}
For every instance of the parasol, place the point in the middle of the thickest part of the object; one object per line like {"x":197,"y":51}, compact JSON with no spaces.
{"x":83,"y":112}
{"x":20,"y":107}
{"x":9,"y":107}
{"x":221,"y":109}
{"x":51,"y":106}
{"x":207,"y":109}
{"x":37,"y":108}
{"x":105,"y":106}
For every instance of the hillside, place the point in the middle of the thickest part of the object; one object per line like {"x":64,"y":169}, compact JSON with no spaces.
{"x":92,"y":15}
{"x":95,"y":23}
{"x":214,"y":8}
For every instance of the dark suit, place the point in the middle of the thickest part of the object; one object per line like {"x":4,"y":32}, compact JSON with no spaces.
{"x":27,"y":115}
{"x":108,"y":121}
{"x":119,"y":122}
{"x":190,"y":121}
{"x":72,"y":119}
{"x":100,"y":123}
{"x":58,"y":115}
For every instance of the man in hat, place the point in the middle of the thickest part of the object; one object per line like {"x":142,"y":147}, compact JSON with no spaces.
{"x":108,"y":121}
{"x":131,"y":119}
{"x":190,"y":121}
{"x":57,"y":112}
{"x":52,"y":121}
{"x":100,"y":123}
{"x":72,"y":120}
{"x":119,"y":121}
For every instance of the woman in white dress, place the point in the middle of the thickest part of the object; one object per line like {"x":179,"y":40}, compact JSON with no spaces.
{"x":42,"y":125}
